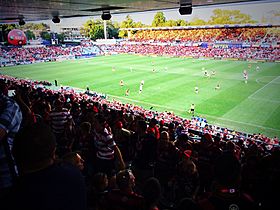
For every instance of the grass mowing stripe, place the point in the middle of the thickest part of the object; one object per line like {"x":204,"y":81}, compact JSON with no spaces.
{"x":256,"y":92}
{"x":175,"y":87}
{"x":182,"y":110}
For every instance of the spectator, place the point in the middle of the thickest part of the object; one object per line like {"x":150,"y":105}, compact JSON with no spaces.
{"x":60,"y":121}
{"x":187,"y":203}
{"x":44,"y":184}
{"x":10,"y":121}
{"x":87,"y":148}
{"x":186,"y":181}
{"x":106,"y":148}
{"x":152,"y":193}
{"x":122,"y":139}
{"x":145,"y":145}
{"x":98,"y":192}
{"x":75,"y":159}
{"x":226,"y":192}
{"x":124,"y":198}
{"x":168,"y":157}
{"x":153,"y":126}
{"x":197,"y":142}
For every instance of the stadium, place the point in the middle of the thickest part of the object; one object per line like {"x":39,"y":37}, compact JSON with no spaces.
{"x":193,"y":106}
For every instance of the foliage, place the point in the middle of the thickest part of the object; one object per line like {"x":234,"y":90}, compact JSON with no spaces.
{"x":170,"y":23}
{"x":28,"y":29}
{"x":113,"y":31}
{"x":98,"y":32}
{"x":45,"y":35}
{"x":35,"y":26}
{"x":139,"y":25}
{"x":159,"y":20}
{"x":94,"y":29}
{"x":29,"y":35}
{"x":60,"y":37}
{"x":219,"y":16}
{"x":197,"y":22}
{"x":6,"y":28}
{"x":229,"y":17}
{"x":181,"y":22}
{"x":127,"y":23}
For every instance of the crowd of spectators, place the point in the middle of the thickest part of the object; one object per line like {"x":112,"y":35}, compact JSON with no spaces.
{"x":67,"y":149}
{"x":41,"y":54}
{"x":238,"y":34}
{"x":256,"y":53}
{"x":259,"y":43}
{"x":76,"y":151}
{"x":26,"y":55}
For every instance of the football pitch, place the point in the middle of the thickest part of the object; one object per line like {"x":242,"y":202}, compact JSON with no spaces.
{"x":253,"y":107}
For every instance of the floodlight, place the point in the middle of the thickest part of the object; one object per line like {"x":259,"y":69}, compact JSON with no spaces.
{"x":185,"y":7}
{"x":106,"y":15}
{"x":56,"y":19}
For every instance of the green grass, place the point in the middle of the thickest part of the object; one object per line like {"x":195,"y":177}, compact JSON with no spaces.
{"x":252,"y":107}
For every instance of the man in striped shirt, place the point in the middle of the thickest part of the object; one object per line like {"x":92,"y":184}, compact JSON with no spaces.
{"x":10,"y":121}
{"x":60,"y":119}
{"x":106,"y":148}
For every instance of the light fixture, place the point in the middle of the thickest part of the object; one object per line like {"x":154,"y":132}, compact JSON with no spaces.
{"x":106,"y":15}
{"x":185,"y":7}
{"x":56,"y":19}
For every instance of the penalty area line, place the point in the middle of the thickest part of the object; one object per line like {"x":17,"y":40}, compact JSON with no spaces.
{"x":251,"y":96}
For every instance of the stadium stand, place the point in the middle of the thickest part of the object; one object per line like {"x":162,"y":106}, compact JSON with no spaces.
{"x":197,"y":147}
{"x":209,"y":167}
{"x":257,"y":43}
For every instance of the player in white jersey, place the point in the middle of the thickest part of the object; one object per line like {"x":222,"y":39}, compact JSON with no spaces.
{"x":196,"y":89}
{"x":140,"y":88}
{"x":217,"y":87}
{"x":245,"y":75}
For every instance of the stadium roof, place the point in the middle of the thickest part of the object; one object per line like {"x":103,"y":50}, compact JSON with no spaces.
{"x":35,"y":10}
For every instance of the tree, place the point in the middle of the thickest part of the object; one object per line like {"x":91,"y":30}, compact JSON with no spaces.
{"x":127,"y":23}
{"x":170,"y":23}
{"x":35,"y":26}
{"x":98,"y":32}
{"x":139,"y":25}
{"x":6,"y":28}
{"x":123,"y":33}
{"x":60,"y":37}
{"x":181,"y":22}
{"x":197,"y":22}
{"x":229,"y":17}
{"x":87,"y":28}
{"x":95,"y":29}
{"x":112,"y":29}
{"x":45,"y":35}
{"x":90,"y":28}
{"x":29,"y":35}
{"x":159,"y":20}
